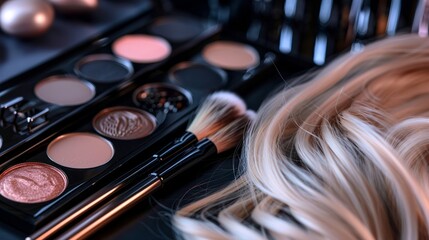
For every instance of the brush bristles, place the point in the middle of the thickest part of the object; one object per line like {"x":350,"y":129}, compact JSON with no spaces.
{"x":216,"y":111}
{"x":229,"y":136}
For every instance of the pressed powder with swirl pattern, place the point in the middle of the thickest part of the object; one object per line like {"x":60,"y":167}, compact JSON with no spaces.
{"x":124,"y":123}
{"x":32,"y":182}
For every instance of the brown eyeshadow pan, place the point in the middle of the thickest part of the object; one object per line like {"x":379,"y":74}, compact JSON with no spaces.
{"x":32,"y":182}
{"x":124,"y":123}
{"x":80,"y":150}
{"x":231,"y":55}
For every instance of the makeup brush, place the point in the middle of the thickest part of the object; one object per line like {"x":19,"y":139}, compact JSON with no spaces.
{"x":221,"y":141}
{"x":217,"y":110}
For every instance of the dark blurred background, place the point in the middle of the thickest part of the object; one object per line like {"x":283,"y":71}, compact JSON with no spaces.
{"x":314,"y":29}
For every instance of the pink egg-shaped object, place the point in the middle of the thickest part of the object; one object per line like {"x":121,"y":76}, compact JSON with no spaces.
{"x":26,"y":18}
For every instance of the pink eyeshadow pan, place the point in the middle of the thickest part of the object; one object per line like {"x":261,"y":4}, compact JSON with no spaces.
{"x":80,"y":150}
{"x":140,"y":48}
{"x":32,"y":182}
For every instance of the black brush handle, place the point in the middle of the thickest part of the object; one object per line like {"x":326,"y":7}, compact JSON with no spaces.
{"x":136,"y":193}
{"x":202,"y":150}
{"x":173,"y":148}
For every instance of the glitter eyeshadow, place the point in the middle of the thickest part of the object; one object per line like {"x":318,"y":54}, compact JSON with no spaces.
{"x":32,"y":182}
{"x":161,"y":97}
{"x":124,"y":123}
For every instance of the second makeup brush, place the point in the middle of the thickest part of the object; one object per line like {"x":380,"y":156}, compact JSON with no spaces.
{"x":217,"y":110}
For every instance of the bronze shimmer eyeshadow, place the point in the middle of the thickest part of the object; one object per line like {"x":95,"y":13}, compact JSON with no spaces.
{"x":32,"y":182}
{"x":124,"y":123}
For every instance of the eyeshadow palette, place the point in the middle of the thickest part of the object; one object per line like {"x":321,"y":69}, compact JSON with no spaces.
{"x":76,"y":83}
{"x":78,"y":124}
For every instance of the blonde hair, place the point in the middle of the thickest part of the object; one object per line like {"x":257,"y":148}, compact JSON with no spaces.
{"x":342,"y":156}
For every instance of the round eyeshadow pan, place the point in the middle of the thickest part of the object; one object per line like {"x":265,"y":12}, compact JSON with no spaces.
{"x":231,"y":55}
{"x":80,"y":150}
{"x":32,"y":182}
{"x":198,"y":76}
{"x":103,"y":68}
{"x":176,"y":29}
{"x":124,"y":123}
{"x":64,"y":90}
{"x":141,"y":48}
{"x":156,"y":97}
